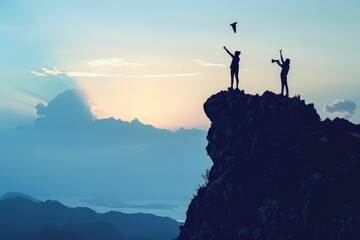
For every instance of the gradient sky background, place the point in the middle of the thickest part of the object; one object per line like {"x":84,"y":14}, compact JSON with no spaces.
{"x":160,"y":60}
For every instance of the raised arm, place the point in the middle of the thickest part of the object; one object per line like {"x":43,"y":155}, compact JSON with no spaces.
{"x":278,"y":62}
{"x":232,"y":55}
{"x":281,"y":56}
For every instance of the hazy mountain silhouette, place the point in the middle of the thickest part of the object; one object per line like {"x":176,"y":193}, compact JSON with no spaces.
{"x":99,"y":157}
{"x":279,"y":172}
{"x":21,"y":218}
{"x":17,"y":194}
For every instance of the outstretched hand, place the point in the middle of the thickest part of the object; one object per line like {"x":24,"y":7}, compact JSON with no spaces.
{"x":224,"y":47}
{"x":280,"y":51}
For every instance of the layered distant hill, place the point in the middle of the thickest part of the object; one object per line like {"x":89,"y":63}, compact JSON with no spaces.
{"x":69,"y":152}
{"x":17,"y":194}
{"x":21,"y":218}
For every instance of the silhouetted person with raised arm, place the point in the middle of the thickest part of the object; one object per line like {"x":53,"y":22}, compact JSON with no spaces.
{"x":285,"y":65}
{"x":234,"y":67}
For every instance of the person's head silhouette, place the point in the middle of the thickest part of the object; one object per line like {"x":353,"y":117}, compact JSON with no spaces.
{"x":287,"y":61}
{"x":237,"y":53}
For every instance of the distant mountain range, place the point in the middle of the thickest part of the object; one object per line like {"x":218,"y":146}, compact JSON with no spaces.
{"x":101,"y":158}
{"x":17,"y":194}
{"x":25,"y":218}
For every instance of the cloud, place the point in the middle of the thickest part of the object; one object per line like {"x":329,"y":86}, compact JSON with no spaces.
{"x":69,"y":110}
{"x":170,"y":75}
{"x":55,"y":71}
{"x":40,"y":109}
{"x":113,"y":62}
{"x":341,"y":108}
{"x":203,"y":63}
{"x":38,"y":74}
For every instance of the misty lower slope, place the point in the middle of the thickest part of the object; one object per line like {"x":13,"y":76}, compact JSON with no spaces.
{"x":279,"y":173}
{"x":99,"y":157}
{"x":22,"y":218}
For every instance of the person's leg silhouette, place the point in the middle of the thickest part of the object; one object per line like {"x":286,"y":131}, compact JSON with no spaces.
{"x":232,"y":73}
{"x":286,"y":88}
{"x":237,"y":79}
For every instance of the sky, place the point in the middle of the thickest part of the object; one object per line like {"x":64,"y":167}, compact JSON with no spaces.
{"x":159,"y":61}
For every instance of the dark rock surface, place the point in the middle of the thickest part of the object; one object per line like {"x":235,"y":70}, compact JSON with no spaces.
{"x":279,"y":172}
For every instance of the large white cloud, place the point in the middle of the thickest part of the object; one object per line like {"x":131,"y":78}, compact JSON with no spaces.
{"x":69,"y":110}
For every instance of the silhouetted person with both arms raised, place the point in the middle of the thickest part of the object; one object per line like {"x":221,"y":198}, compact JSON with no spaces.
{"x":234,"y":68}
{"x":285,"y":65}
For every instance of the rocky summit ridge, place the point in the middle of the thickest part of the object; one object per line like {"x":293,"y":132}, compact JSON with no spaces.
{"x":278,"y":172}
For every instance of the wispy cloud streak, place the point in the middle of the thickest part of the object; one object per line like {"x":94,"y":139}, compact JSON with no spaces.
{"x":170,"y":75}
{"x":56,"y":71}
{"x":206,"y":64}
{"x":113,"y":62}
{"x":38,"y":74}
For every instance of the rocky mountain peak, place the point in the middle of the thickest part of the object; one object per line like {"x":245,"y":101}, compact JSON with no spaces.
{"x":279,"y":172}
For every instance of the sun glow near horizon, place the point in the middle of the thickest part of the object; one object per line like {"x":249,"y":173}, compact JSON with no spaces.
{"x":143,"y":99}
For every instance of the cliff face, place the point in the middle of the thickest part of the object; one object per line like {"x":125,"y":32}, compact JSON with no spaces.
{"x":279,"y":172}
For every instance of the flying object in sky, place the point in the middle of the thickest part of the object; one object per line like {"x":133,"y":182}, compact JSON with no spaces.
{"x":233,"y":25}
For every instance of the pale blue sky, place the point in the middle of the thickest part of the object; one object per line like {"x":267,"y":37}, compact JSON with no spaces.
{"x":147,"y":39}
